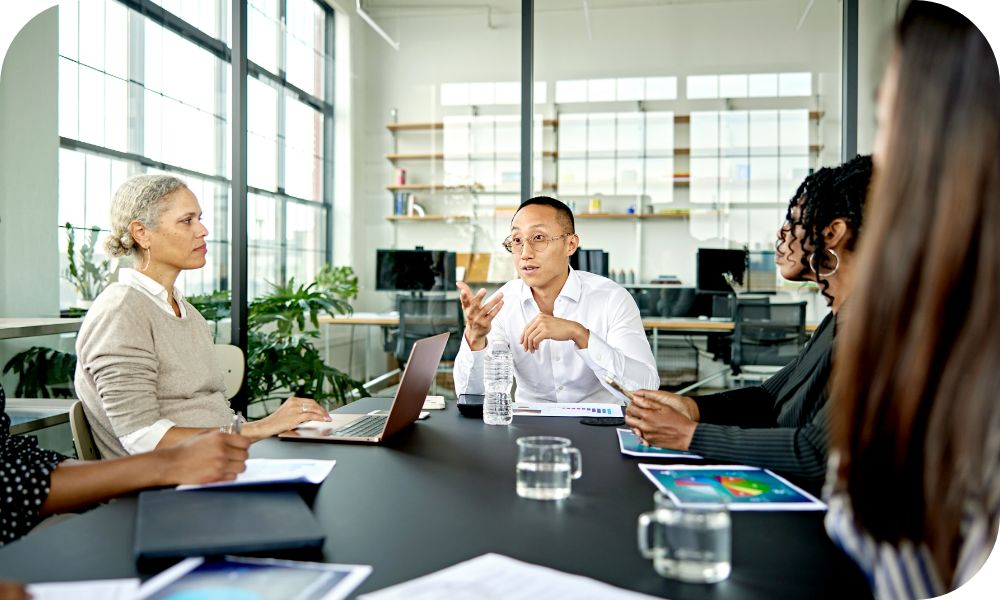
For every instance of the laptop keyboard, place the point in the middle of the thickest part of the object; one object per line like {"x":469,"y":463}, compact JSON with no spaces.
{"x":368,"y":426}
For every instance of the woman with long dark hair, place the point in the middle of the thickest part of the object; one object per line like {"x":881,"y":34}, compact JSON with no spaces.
{"x":915,"y":471}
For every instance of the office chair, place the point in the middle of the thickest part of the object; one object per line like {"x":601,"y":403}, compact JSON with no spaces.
{"x":83,"y":438}
{"x":727,"y":348}
{"x":424,"y":316}
{"x":766,"y":338}
{"x":230,"y":358}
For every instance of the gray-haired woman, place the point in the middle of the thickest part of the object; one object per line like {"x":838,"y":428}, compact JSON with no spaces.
{"x":146,"y":370}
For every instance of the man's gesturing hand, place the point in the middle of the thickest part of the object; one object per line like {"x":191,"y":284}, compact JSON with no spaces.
{"x":478,"y":316}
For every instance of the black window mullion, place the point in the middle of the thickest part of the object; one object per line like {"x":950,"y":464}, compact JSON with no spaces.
{"x":328,"y":136}
{"x":170,"y":21}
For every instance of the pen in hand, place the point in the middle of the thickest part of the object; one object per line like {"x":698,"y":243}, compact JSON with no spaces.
{"x":235,"y":426}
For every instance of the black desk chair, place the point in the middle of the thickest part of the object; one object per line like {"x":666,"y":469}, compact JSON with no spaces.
{"x":424,"y":316}
{"x":754,"y":327}
{"x":768,"y":336}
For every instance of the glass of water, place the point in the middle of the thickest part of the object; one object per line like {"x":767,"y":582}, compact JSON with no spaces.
{"x":689,"y":543}
{"x":546,"y":467}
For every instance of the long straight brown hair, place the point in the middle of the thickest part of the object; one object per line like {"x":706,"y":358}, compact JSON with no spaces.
{"x":916,"y":383}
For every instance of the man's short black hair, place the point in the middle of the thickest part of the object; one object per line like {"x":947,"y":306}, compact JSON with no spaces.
{"x":563,"y":214}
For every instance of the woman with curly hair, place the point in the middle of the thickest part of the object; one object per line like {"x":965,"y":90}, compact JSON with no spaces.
{"x":780,"y":424}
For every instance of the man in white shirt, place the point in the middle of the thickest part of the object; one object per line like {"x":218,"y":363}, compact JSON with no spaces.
{"x":567,"y":329}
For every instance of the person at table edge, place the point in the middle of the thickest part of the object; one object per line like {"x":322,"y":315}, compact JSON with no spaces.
{"x":566,"y":329}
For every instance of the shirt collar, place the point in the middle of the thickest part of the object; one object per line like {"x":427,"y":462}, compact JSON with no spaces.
{"x":137,"y":279}
{"x":570,"y":289}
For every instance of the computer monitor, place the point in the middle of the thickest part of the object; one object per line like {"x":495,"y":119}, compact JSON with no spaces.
{"x":714,"y":263}
{"x":416,"y":270}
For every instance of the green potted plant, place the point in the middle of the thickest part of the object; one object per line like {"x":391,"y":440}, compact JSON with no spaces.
{"x":283,"y":326}
{"x":89,"y":278}
{"x":42,"y":373}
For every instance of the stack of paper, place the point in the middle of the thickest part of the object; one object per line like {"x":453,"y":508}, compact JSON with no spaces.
{"x":261,"y":471}
{"x":498,"y":576}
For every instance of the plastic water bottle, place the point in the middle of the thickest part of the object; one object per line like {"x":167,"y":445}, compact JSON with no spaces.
{"x":499,"y":378}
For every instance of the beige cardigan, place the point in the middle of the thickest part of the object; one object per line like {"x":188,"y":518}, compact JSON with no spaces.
{"x":136,"y":364}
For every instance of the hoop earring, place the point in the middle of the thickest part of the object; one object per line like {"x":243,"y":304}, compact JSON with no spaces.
{"x":812,"y":264}
{"x":149,"y":255}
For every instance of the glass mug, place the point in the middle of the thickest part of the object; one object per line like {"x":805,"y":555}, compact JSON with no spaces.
{"x":546,"y":467}
{"x":689,"y":543}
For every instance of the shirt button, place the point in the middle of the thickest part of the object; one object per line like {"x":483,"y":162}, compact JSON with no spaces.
{"x":561,"y":388}
{"x":558,"y":359}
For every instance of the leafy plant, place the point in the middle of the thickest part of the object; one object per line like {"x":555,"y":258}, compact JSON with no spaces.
{"x":339,"y":282}
{"x":282,"y":355}
{"x":214,"y":306}
{"x":88,"y":278}
{"x":42,"y":373}
{"x":282,"y":329}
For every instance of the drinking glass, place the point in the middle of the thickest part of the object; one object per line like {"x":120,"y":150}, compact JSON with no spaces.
{"x":689,"y":543}
{"x":546,"y":467}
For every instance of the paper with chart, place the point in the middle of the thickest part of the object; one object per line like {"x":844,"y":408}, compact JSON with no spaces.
{"x":631,"y":444}
{"x":262,"y":471}
{"x":498,"y":576}
{"x":742,"y":487}
{"x":565,"y":409}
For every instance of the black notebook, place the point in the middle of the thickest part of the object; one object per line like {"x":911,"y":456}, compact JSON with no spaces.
{"x":171,"y":525}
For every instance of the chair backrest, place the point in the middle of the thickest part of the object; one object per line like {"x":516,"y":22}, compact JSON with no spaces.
{"x":83,"y":439}
{"x":724,"y":305}
{"x":230,"y":358}
{"x":421,"y":317}
{"x":768,"y":334}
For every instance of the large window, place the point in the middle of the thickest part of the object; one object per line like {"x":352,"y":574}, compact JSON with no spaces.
{"x":681,"y":125}
{"x":145,"y":87}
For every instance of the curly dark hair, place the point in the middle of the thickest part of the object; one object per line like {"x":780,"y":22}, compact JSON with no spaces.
{"x":829,"y":193}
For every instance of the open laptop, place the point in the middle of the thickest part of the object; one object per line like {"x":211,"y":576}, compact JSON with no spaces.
{"x":372,"y":429}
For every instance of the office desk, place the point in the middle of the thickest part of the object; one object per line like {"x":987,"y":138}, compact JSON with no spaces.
{"x":672,"y":324}
{"x":442,"y":491}
{"x":31,"y":414}
{"x":30,"y":327}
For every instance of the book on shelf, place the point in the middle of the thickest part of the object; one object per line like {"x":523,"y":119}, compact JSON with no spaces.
{"x":400,"y":205}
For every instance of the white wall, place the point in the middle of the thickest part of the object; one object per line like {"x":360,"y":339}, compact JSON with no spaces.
{"x":462,"y":45}
{"x":29,"y":178}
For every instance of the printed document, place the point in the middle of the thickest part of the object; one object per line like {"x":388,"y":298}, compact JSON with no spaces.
{"x":566,"y":409}
{"x":262,"y":471}
{"x":498,"y":576}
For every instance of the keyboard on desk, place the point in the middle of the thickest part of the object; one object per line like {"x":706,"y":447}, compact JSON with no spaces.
{"x":368,"y":426}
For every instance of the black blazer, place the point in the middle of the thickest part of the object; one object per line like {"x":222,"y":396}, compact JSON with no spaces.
{"x":780,"y":424}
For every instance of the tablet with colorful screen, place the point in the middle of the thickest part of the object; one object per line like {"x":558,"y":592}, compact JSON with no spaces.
{"x":744,"y":488}
{"x":630,"y":444}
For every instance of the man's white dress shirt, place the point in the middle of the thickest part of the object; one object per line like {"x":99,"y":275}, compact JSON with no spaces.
{"x":559,"y":371}
{"x":146,"y":439}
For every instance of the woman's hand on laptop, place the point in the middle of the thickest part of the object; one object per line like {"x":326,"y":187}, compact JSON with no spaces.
{"x":289,"y":415}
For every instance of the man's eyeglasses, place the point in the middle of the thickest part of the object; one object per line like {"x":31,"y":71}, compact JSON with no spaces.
{"x":538,"y":242}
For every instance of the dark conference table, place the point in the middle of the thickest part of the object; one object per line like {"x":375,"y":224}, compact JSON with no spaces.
{"x":442,"y":491}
